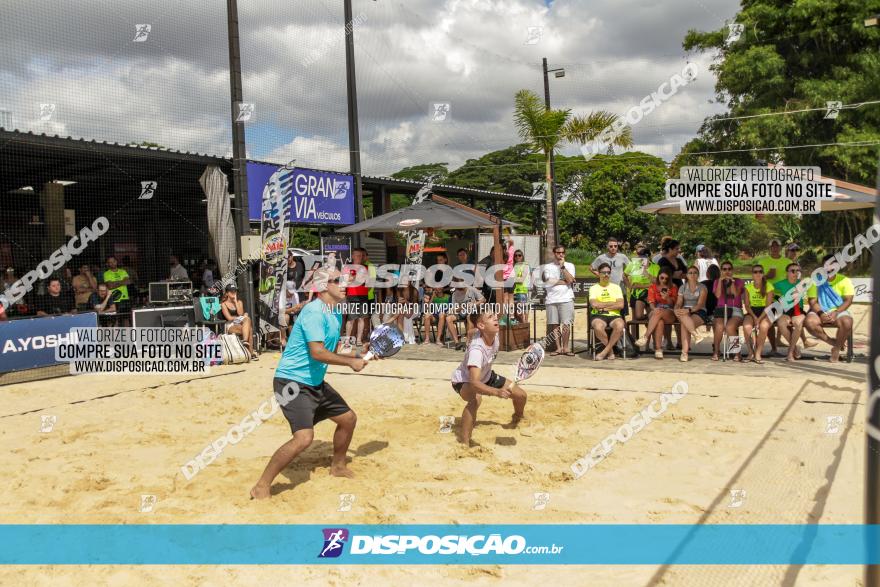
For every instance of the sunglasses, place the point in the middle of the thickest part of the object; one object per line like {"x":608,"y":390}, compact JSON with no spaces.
{"x":663,"y":278}
{"x":727,"y":268}
{"x":559,"y":252}
{"x":604,"y":273}
{"x":794,"y":270}
{"x":336,"y":280}
{"x":693,"y":273}
{"x":757,"y":271}
{"x":517,"y":255}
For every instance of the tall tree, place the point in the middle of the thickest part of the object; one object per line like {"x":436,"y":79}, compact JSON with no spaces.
{"x":796,"y":56}
{"x":543,"y":130}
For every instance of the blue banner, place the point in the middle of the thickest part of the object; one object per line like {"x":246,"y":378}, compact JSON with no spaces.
{"x":31,"y":342}
{"x":645,"y":544}
{"x":317,"y":197}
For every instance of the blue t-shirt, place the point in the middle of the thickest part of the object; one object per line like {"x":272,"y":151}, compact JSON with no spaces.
{"x":316,"y":323}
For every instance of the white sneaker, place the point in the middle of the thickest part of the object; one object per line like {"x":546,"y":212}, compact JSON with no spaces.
{"x":642,"y":342}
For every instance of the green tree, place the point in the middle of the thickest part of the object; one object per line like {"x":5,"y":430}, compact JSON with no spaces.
{"x":613,"y":189}
{"x":544,"y":129}
{"x":433,"y":172}
{"x":795,"y":56}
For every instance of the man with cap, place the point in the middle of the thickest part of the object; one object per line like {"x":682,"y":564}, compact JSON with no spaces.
{"x":704,"y":261}
{"x":300,"y":386}
{"x":792,"y":251}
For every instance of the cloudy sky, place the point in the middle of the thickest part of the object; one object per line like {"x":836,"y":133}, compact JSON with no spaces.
{"x":173,"y":88}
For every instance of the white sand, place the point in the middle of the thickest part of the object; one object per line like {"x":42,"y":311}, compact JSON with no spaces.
{"x":742,"y":428}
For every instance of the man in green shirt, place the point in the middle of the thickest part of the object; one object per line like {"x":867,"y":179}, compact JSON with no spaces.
{"x":774,"y":270}
{"x":825,"y":313}
{"x":117,"y":280}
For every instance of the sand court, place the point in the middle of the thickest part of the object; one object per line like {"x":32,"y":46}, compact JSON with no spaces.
{"x":761,"y":432}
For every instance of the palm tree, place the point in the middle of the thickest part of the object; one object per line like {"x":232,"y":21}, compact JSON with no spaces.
{"x":544,"y":129}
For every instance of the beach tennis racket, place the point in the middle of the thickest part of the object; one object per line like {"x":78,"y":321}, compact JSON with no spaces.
{"x":385,"y":341}
{"x":529,"y":362}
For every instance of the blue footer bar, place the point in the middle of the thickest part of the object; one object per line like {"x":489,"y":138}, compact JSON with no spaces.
{"x":646,"y":544}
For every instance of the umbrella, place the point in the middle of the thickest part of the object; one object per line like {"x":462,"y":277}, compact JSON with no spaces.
{"x":427,"y":214}
{"x":847,"y":196}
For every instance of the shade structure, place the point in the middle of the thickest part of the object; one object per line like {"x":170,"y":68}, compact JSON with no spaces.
{"x":424,"y":215}
{"x":847,"y":196}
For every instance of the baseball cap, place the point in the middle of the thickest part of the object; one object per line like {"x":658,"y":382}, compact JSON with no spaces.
{"x":700,"y":247}
{"x":794,"y":247}
{"x":291,"y":286}
{"x":322,"y":277}
{"x":231,"y":287}
{"x":775,"y":241}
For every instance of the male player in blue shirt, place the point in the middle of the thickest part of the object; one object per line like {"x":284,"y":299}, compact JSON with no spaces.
{"x":301,"y":371}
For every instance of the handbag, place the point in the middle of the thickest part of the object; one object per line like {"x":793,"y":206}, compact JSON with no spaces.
{"x":233,"y":350}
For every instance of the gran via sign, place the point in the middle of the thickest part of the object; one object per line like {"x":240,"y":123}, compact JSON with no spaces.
{"x":317,"y":197}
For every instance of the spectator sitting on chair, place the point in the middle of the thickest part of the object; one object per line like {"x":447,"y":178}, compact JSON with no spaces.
{"x":558,"y":277}
{"x":54,"y":301}
{"x":759,"y":295}
{"x":238,"y":322}
{"x":606,"y":301}
{"x":729,"y":293}
{"x":829,"y":306}
{"x":463,"y":306}
{"x":102,"y":302}
{"x":690,"y":309}
{"x":662,"y":296}
{"x":440,"y":300}
{"x":637,"y":276}
{"x":791,"y":323}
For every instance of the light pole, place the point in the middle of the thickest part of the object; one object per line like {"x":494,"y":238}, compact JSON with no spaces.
{"x":558,"y":72}
{"x":354,"y":141}
{"x":872,"y":467}
{"x":239,"y":155}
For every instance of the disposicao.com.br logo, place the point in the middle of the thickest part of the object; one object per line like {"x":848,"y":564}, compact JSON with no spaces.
{"x":431,"y":544}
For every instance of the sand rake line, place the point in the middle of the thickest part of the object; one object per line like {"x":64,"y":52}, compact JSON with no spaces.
{"x":99,"y":397}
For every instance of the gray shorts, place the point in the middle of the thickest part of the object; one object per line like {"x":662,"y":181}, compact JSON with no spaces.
{"x":562,"y":313}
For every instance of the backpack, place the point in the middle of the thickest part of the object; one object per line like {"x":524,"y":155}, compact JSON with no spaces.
{"x":210,"y":307}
